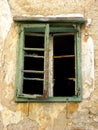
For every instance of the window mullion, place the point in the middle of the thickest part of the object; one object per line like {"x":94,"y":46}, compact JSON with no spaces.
{"x":51,"y":81}
{"x":46,"y":62}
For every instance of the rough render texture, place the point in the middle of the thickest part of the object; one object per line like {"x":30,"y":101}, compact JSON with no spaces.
{"x":48,"y":116}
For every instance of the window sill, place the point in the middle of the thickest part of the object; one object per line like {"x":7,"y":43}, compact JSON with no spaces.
{"x":50,"y":99}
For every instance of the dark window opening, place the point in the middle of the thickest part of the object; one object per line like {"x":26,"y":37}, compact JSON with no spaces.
{"x":32,"y":87}
{"x":34,"y":41}
{"x":31,"y":63}
{"x":64,"y":65}
{"x":33,"y":73}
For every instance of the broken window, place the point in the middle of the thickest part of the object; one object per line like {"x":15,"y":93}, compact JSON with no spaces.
{"x":48,"y":63}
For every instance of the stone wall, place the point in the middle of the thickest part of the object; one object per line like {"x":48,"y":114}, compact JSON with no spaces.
{"x":48,"y":116}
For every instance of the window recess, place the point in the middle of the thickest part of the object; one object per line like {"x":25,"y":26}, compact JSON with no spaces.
{"x":49,"y":61}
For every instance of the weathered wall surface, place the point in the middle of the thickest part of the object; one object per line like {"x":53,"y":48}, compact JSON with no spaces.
{"x":48,"y":116}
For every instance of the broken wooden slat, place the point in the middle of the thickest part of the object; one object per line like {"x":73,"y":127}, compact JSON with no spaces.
{"x":34,"y":56}
{"x":33,"y":71}
{"x":74,"y":79}
{"x":33,"y":49}
{"x":64,"y":56}
{"x":37,"y":79}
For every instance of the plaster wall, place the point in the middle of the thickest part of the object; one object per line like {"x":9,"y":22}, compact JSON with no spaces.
{"x":48,"y":116}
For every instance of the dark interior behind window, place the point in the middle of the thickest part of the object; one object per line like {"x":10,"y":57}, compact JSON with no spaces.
{"x":64,"y":65}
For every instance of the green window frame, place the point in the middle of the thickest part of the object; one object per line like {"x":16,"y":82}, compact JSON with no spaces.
{"x":46,"y":31}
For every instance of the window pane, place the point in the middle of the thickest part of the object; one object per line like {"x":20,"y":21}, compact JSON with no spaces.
{"x":33,"y":63}
{"x":64,"y":65}
{"x":64,"y":45}
{"x":34,"y":41}
{"x":32,"y":87}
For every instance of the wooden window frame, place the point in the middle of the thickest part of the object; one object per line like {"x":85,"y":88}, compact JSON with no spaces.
{"x":69,"y":26}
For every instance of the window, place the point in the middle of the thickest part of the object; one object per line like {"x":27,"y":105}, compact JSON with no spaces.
{"x":48,"y":62}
